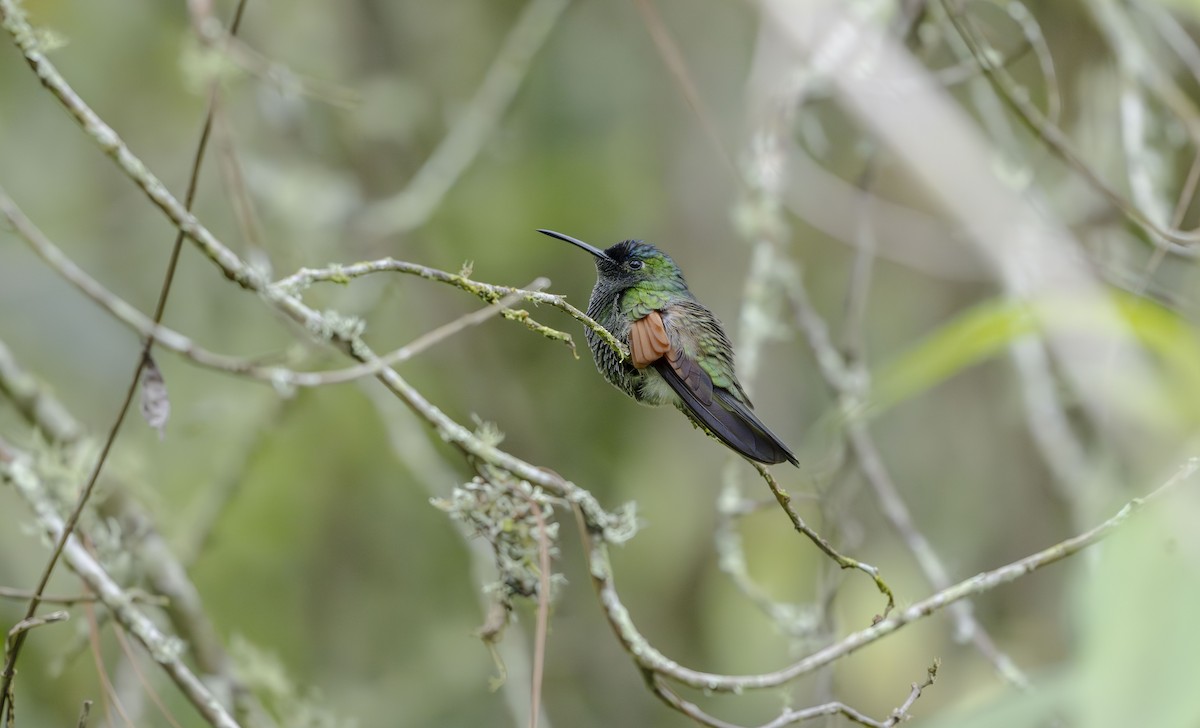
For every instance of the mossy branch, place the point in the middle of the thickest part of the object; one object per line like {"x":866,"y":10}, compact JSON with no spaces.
{"x":17,"y":469}
{"x":600,"y":527}
{"x":488,"y":292}
{"x":650,"y":659}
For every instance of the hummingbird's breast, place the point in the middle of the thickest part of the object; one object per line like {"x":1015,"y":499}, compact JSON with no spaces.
{"x":644,"y":385}
{"x":602,"y":308}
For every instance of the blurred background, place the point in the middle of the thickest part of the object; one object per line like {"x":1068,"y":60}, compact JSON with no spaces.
{"x":444,"y":134}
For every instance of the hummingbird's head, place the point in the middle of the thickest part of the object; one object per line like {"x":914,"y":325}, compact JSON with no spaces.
{"x":630,"y":263}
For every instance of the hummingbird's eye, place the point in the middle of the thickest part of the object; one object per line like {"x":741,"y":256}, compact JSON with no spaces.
{"x":635,"y":264}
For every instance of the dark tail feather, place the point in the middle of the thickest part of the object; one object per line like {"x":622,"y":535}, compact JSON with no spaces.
{"x":732,"y":422}
{"x":765,"y":441}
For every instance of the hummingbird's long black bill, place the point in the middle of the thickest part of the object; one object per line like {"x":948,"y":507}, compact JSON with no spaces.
{"x":575,"y":241}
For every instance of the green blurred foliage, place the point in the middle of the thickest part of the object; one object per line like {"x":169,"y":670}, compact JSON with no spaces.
{"x":350,"y":598}
{"x":1136,"y":655}
{"x":987,"y":329}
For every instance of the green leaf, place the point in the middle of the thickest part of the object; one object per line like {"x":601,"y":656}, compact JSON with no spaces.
{"x":970,"y":338}
{"x":1191,"y":7}
{"x":991,"y":327}
{"x":1140,"y":646}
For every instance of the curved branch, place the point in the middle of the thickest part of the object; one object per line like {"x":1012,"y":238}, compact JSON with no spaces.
{"x":649,"y":658}
{"x":489,"y":292}
{"x":785,"y":502}
{"x":412,"y":206}
{"x":1179,"y":242}
{"x":794,"y":716}
{"x":326,"y":328}
{"x":165,"y":650}
{"x":500,"y":298}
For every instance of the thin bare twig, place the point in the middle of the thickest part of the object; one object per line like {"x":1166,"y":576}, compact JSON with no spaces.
{"x":793,"y":716}
{"x":849,"y":389}
{"x":858,"y":288}
{"x":235,"y":185}
{"x":795,"y":620}
{"x":598,"y":521}
{"x":1179,"y":242}
{"x":166,"y":574}
{"x":109,"y":692}
{"x":32,"y":622}
{"x":120,"y":309}
{"x":901,"y":713}
{"x":165,"y":650}
{"x":648,"y":658}
{"x":67,"y":600}
{"x":1186,"y":196}
{"x":131,"y":660}
{"x":414,"y":452}
{"x":789,"y":716}
{"x":34,"y":402}
{"x":286,"y":80}
{"x":412,"y":206}
{"x":284,"y":377}
{"x":1031,"y":31}
{"x":785,"y":502}
{"x":543,"y":615}
{"x":305,"y":277}
{"x":673,"y":59}
{"x":9,"y":671}
{"x":1133,"y":114}
{"x":323,"y":328}
{"x":14,"y":637}
{"x":418,"y":345}
{"x":13,"y":22}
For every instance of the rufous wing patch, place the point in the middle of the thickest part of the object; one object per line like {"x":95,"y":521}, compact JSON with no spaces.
{"x":648,"y":340}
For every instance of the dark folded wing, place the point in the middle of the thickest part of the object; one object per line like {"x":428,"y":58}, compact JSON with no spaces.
{"x":724,"y":413}
{"x":768,"y":445}
{"x":732,"y":422}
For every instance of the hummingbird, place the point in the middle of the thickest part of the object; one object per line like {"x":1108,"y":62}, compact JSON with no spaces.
{"x":678,"y":352}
